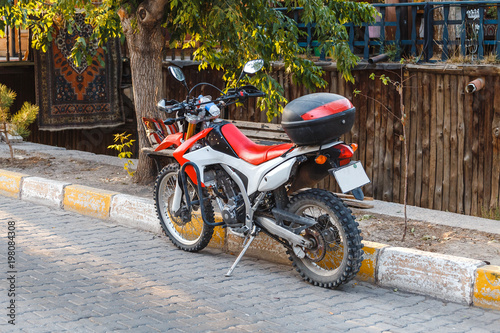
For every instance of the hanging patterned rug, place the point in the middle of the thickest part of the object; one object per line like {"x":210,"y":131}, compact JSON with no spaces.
{"x":78,"y":97}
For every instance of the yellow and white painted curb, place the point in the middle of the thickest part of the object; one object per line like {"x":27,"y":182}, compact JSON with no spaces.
{"x":443,"y":276}
{"x":446,"y":277}
{"x":88,"y":201}
{"x":487,"y":287}
{"x":368,"y":270}
{"x":134,"y":212}
{"x":10,"y":183}
{"x":43,"y":191}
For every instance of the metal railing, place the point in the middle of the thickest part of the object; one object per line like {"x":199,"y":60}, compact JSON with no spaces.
{"x":418,"y":29}
{"x":464,"y":31}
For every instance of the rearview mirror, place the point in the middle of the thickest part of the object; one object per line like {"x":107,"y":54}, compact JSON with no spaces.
{"x":177,"y":73}
{"x":253,"y":66}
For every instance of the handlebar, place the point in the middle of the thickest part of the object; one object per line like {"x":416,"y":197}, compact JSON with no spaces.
{"x":233,"y":95}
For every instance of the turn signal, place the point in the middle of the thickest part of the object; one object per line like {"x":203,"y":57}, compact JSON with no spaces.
{"x":354,"y":147}
{"x":321,"y":159}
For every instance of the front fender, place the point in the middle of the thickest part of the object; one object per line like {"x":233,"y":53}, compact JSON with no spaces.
{"x":171,"y":139}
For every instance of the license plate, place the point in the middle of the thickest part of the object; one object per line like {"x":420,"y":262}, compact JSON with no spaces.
{"x":350,"y":177}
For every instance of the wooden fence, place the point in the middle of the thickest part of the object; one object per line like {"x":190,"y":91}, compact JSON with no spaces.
{"x":453,"y":137}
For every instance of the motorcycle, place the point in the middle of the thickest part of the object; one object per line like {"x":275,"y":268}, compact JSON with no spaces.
{"x":261,"y":188}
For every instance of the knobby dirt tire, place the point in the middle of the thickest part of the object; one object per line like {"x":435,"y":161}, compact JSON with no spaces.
{"x":344,"y":255}
{"x":192,"y":236}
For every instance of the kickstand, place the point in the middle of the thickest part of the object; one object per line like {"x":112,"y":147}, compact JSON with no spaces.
{"x":248,"y":241}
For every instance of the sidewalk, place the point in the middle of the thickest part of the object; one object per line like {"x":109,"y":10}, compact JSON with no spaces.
{"x":77,"y":274}
{"x":446,"y":277}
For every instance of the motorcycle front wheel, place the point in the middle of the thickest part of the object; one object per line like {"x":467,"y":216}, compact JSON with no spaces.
{"x":193,"y":235}
{"x":337,"y":253}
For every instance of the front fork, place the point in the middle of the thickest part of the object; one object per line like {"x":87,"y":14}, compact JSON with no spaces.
{"x":181,"y":190}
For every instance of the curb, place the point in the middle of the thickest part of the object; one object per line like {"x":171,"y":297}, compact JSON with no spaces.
{"x":446,"y":277}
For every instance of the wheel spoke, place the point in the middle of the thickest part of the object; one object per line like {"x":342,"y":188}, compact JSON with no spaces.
{"x":336,"y":255}
{"x":187,"y":232}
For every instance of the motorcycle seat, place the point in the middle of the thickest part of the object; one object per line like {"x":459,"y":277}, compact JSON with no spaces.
{"x":248,"y":150}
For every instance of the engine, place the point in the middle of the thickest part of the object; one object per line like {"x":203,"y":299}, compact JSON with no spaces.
{"x":227,"y":195}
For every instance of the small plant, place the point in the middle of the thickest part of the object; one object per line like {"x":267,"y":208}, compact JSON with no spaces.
{"x":491,"y":12}
{"x":124,"y":142}
{"x":392,"y":51}
{"x":16,"y":124}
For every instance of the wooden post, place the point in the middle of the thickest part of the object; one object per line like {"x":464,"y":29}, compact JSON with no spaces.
{"x":454,"y":161}
{"x":433,"y":141}
{"x":495,"y":135}
{"x":370,"y":139}
{"x":426,"y":143}
{"x":488,"y":143}
{"x":438,"y":189}
{"x":469,"y":135}
{"x":418,"y":121}
{"x":447,"y":111}
{"x":460,"y":145}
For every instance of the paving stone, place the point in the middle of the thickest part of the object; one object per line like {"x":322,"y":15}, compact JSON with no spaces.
{"x":79,"y":274}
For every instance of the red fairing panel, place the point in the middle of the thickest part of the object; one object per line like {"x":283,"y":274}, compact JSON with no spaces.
{"x":183,"y":148}
{"x":328,"y":109}
{"x":248,"y":150}
{"x":171,"y":139}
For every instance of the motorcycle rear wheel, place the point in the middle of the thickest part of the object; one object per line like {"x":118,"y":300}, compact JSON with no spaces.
{"x":189,"y":236}
{"x":338,"y":255}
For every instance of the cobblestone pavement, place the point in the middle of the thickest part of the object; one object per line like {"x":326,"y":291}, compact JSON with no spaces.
{"x":78,"y":274}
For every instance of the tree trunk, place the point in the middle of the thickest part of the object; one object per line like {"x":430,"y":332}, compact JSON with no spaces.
{"x":145,"y":42}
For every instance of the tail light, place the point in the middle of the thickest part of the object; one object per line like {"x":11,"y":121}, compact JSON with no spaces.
{"x":346,"y":153}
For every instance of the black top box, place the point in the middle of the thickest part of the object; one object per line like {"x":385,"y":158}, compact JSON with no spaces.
{"x":317,"y":118}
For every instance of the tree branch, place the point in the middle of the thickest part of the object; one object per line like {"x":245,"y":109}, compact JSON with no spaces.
{"x":150,"y":12}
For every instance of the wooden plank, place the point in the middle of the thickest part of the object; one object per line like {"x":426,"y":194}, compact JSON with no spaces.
{"x":438,"y":189}
{"x":361,"y":112}
{"x":382,"y":147}
{"x":476,"y":109}
{"x":495,"y":135}
{"x":425,"y":133}
{"x":418,"y":120}
{"x":411,"y":98}
{"x":166,"y":152}
{"x":330,"y":183}
{"x":350,"y":196}
{"x":480,"y":135}
{"x":460,"y":145}
{"x":433,"y":141}
{"x":468,"y":159}
{"x":266,"y":136}
{"x":488,"y":144}
{"x":254,"y":125}
{"x":377,"y":190}
{"x":391,"y":158}
{"x":398,"y":146}
{"x":454,"y":162}
{"x":370,"y":139}
{"x":447,"y":110}
{"x":357,"y":204}
{"x":286,"y":79}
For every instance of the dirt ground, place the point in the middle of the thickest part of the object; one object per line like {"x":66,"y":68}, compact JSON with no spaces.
{"x":377,"y":228}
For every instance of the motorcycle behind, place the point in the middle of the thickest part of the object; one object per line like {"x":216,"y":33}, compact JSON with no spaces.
{"x":264,"y":188}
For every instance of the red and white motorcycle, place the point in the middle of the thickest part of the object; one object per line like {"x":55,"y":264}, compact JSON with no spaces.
{"x":261,"y":188}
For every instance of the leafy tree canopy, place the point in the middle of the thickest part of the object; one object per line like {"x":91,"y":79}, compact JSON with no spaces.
{"x":226,"y":33}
